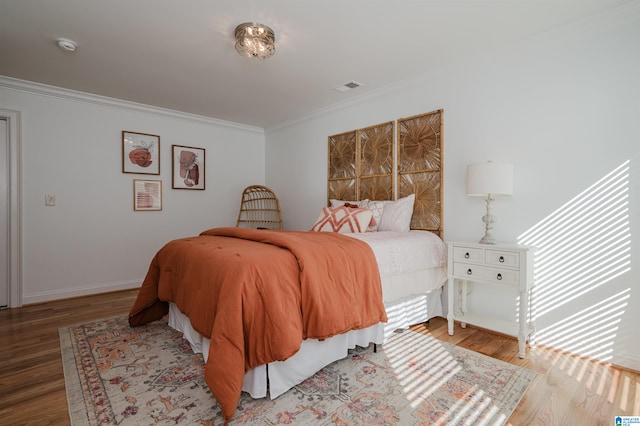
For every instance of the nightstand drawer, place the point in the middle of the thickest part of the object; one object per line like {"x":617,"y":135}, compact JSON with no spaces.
{"x":468,"y":254}
{"x":475,"y":272}
{"x":509,"y":259}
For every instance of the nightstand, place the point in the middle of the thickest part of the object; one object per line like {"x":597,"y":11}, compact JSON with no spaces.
{"x":508,"y":265}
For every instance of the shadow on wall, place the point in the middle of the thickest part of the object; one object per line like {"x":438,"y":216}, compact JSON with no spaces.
{"x":582,"y":246}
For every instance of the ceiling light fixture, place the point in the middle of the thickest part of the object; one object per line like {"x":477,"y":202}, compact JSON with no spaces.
{"x":67,"y":45}
{"x":255,"y":40}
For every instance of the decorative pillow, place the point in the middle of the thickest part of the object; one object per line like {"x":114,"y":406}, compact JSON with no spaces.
{"x":373,"y":225}
{"x":343,"y":220}
{"x":376,"y":208}
{"x":363,"y":204}
{"x":396,"y":215}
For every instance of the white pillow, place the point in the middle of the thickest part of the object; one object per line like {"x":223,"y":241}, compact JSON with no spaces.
{"x":396,"y":215}
{"x":342,"y":220}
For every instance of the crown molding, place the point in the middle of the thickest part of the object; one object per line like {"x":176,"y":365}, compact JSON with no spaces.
{"x":104,"y":101}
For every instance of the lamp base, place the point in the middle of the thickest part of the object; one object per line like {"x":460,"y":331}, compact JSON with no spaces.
{"x":488,"y":219}
{"x":488,"y":240}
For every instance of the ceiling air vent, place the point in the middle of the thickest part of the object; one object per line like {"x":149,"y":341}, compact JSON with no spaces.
{"x":348,"y":86}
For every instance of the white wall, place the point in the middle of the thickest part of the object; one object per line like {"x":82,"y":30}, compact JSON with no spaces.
{"x":92,"y":241}
{"x":564,"y":108}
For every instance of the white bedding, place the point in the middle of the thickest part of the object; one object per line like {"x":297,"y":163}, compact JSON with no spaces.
{"x":412,"y":270}
{"x":400,"y":252}
{"x":400,"y":255}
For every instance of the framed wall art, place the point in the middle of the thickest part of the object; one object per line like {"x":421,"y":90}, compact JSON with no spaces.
{"x":140,"y":153}
{"x":188,"y":165}
{"x":147,"y":195}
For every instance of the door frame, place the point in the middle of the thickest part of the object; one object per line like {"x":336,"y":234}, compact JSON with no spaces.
{"x":14,"y":194}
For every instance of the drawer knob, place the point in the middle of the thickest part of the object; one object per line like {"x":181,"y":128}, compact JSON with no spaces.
{"x":501,"y":259}
{"x":499,"y":276}
{"x":469,"y":271}
{"x":466,"y":255}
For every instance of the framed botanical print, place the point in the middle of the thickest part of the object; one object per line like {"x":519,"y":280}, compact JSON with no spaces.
{"x":140,"y":153}
{"x":188,"y":165}
{"x":147,"y":195}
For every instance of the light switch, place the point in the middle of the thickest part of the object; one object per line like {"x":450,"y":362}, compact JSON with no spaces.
{"x":49,"y":200}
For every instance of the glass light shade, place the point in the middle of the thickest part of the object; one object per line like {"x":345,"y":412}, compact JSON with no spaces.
{"x":490,"y":178}
{"x":255,"y":40}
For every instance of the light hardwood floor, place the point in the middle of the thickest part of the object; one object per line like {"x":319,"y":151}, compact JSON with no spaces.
{"x":567,"y":390}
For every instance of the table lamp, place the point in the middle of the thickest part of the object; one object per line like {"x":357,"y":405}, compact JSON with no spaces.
{"x":489,"y":180}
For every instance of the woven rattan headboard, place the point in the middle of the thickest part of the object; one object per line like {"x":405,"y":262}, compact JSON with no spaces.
{"x":372,"y":164}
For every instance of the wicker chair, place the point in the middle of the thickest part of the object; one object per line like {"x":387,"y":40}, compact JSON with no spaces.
{"x":259,"y":209}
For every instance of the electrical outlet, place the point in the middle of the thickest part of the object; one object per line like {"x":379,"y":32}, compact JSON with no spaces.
{"x":49,"y":200}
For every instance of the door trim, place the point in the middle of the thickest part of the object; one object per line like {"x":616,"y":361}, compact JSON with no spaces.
{"x":14,"y":188}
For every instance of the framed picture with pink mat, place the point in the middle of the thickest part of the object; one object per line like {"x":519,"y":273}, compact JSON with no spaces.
{"x":188,"y":164}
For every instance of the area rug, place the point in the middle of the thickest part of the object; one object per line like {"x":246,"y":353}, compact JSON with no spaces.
{"x":148,"y":375}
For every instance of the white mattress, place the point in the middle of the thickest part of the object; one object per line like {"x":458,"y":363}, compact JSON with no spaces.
{"x":412,"y":269}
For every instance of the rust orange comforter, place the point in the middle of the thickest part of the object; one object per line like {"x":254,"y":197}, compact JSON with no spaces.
{"x":257,"y":294}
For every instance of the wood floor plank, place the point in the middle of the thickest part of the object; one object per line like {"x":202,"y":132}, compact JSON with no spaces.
{"x":568,"y":390}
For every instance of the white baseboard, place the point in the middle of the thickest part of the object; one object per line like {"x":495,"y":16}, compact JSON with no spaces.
{"x":47,"y":296}
{"x":625,"y":360}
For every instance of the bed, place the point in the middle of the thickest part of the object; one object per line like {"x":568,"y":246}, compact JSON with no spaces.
{"x":258,"y":345}
{"x":412,"y":267}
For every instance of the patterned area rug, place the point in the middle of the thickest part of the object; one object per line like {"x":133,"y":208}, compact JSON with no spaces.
{"x":115,"y":374}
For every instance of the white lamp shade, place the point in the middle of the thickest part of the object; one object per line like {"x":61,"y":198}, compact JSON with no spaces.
{"x":490,"y":178}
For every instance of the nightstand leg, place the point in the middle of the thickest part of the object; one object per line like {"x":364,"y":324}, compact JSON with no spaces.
{"x":464,"y":302}
{"x":532,"y":335}
{"x":523,"y":324}
{"x":451,"y":287}
{"x":522,"y":345}
{"x":532,"y":324}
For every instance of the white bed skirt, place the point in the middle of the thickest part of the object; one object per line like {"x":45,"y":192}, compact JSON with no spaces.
{"x":314,"y":354}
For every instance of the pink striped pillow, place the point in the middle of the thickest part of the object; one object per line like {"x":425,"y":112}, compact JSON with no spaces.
{"x":343,"y":220}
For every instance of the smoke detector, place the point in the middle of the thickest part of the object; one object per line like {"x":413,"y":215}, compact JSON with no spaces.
{"x":67,"y":45}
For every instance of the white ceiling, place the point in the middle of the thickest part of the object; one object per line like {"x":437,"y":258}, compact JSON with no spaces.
{"x":179,"y":54}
